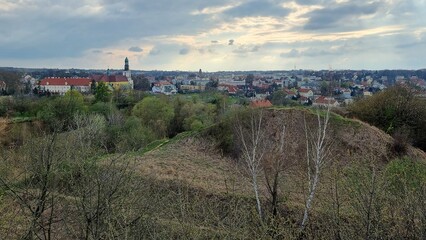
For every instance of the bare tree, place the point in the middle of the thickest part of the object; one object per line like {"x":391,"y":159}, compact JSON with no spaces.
{"x":251,"y":134}
{"x":37,"y":196}
{"x":317,"y":153}
{"x":365,"y":188}
{"x":273,"y":167}
{"x":102,"y":187}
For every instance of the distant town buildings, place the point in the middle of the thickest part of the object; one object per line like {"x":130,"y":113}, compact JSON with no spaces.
{"x":317,"y":88}
{"x":62,"y":85}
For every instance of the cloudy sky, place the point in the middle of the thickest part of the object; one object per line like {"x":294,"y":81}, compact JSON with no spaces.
{"x":214,"y":34}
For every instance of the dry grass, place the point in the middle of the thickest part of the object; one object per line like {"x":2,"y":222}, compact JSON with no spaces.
{"x":3,"y":128}
{"x":194,"y":162}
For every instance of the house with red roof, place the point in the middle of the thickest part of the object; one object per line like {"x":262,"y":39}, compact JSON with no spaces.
{"x":260,"y":103}
{"x":290,"y":93}
{"x":230,"y":89}
{"x":83,"y":85}
{"x":62,"y":85}
{"x":322,"y":101}
{"x":306,"y":92}
{"x":115,"y":81}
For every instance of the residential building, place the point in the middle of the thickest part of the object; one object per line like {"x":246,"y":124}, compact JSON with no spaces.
{"x":260,"y":103}
{"x":322,"y":101}
{"x":306,"y":92}
{"x":164,"y":87}
{"x":62,"y":85}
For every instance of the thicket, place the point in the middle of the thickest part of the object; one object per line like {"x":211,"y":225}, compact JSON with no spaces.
{"x":134,"y":119}
{"x":398,"y":112}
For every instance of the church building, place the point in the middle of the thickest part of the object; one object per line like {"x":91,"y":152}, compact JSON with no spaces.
{"x":117,"y":81}
{"x":62,"y":85}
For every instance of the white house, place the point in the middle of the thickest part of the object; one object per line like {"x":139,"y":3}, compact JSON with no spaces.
{"x":164,"y":87}
{"x":322,"y":101}
{"x":306,"y":92}
{"x":62,"y":85}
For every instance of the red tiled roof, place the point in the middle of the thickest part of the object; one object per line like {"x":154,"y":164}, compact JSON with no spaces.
{"x":117,"y":78}
{"x":66,"y":81}
{"x":304,"y":90}
{"x":289,"y":92}
{"x":232,"y":89}
{"x":260,"y":103}
{"x":325,"y":100}
{"x":109,"y":78}
{"x":162,"y":83}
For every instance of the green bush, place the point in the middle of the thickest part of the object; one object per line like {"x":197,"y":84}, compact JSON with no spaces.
{"x":393,"y":110}
{"x":155,"y":113}
{"x":134,"y":135}
{"x":102,"y":108}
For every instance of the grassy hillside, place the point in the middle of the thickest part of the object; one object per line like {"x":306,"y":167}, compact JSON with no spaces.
{"x":190,"y":188}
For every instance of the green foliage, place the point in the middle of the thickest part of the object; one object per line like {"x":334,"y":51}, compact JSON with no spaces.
{"x":141,"y":83}
{"x":406,"y":193}
{"x":198,"y":115}
{"x":102,"y":108}
{"x":134,"y":135}
{"x":61,"y":110}
{"x":279,"y":98}
{"x":155,"y":113}
{"x":12,"y":82}
{"x":102,"y":93}
{"x":364,"y":185}
{"x":325,"y":88}
{"x":392,"y":110}
{"x":4,"y":103}
{"x":405,"y":176}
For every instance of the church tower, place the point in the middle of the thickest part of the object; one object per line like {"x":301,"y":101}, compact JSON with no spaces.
{"x":126,"y":64}
{"x":127,"y":72}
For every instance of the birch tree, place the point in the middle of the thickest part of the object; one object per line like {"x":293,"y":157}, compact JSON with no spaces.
{"x":37,"y":196}
{"x":317,"y":153}
{"x":251,"y":134}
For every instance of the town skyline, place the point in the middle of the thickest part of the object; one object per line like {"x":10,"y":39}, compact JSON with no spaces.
{"x":219,"y":35}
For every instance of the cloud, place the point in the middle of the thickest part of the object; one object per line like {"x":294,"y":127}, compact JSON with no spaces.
{"x":313,"y":2}
{"x":258,"y":8}
{"x":340,"y":14}
{"x":135,"y":49}
{"x":84,"y":33}
{"x":71,"y":28}
{"x":313,"y":52}
{"x":293,"y":53}
{"x":184,"y":51}
{"x":154,"y":52}
{"x":411,"y":45}
{"x":244,"y":49}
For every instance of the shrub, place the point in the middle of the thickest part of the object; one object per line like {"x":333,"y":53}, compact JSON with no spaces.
{"x":155,"y":113}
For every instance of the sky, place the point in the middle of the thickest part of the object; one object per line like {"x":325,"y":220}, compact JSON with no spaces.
{"x":213,"y":35}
